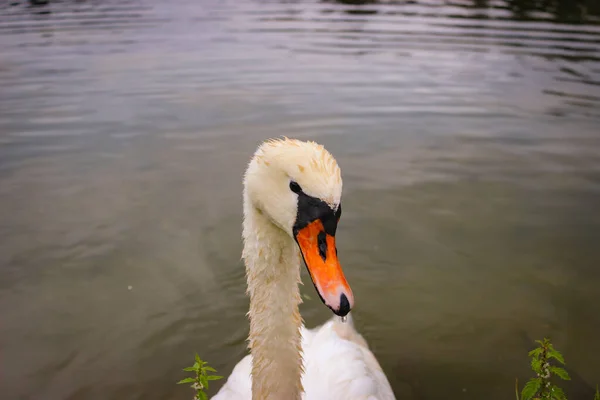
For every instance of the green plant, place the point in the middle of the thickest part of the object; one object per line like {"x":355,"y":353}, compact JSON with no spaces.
{"x":200,"y":382}
{"x":597,"y":395}
{"x":541,"y":387}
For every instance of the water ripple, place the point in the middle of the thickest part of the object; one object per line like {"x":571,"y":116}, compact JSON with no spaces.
{"x":125,"y":127}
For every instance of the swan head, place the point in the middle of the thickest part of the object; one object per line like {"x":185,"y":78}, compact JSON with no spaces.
{"x":298,"y":186}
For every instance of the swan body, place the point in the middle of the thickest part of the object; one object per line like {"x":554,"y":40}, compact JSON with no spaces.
{"x":338,"y":366}
{"x":292,"y":204}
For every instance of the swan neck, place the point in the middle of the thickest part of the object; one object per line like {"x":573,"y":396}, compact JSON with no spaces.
{"x":273,"y":274}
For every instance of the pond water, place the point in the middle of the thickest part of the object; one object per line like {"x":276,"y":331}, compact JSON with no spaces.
{"x":469,"y":141}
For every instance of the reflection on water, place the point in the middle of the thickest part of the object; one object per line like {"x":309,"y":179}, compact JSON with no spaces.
{"x":468,"y":136}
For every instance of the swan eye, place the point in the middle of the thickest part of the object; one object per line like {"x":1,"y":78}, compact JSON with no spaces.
{"x":294,"y":187}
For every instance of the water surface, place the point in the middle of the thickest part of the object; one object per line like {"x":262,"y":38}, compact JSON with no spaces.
{"x":468,"y":136}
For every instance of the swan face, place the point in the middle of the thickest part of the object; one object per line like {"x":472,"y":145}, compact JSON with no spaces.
{"x":298,"y":186}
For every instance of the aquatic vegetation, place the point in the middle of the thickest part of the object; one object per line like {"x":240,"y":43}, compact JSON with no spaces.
{"x":200,"y":382}
{"x":541,"y":387}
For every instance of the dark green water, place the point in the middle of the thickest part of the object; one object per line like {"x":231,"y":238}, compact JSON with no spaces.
{"x":469,"y":139}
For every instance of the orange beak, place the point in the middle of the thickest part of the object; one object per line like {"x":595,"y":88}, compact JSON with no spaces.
{"x":320,"y":256}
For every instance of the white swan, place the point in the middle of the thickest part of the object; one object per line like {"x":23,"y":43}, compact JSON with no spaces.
{"x":292,"y":193}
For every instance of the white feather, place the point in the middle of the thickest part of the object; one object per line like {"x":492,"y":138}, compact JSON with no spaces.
{"x":338,"y":366}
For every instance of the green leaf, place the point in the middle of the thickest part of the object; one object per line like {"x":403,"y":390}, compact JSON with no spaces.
{"x":196,"y":366}
{"x":531,"y":388}
{"x":556,"y":355}
{"x":560,"y":372}
{"x":204,"y":381}
{"x":188,"y":369}
{"x":186,"y":380}
{"x":536,"y":365}
{"x":557,"y":393}
{"x":214,"y":377}
{"x":198,"y":360}
{"x":211,"y":369}
{"x":535,"y":352}
{"x":202,"y":395}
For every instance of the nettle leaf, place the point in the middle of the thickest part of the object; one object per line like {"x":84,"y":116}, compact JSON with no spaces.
{"x":186,"y":380}
{"x":556,"y":355}
{"x":204,"y":381}
{"x":201,"y":395}
{"x":561,"y":372}
{"x":535,"y":352}
{"x":198,"y":360}
{"x":189,"y":369}
{"x":557,"y":393}
{"x":211,"y":369}
{"x":196,"y":366}
{"x":214,"y":377}
{"x":536,"y":365}
{"x":531,"y":388}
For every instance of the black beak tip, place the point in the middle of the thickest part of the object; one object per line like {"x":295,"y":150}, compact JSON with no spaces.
{"x":344,"y":306}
